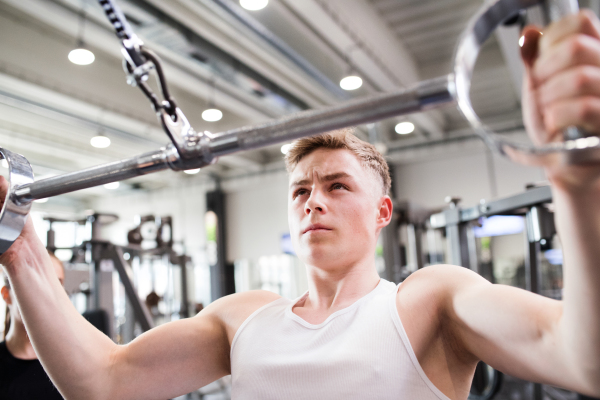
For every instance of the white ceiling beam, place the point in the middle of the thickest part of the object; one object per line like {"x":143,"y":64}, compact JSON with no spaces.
{"x":63,"y":103}
{"x":104,"y":40}
{"x":207,"y":20}
{"x":387,"y":62}
{"x":370,"y":28}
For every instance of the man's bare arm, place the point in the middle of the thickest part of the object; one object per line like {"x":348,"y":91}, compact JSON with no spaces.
{"x":165,"y":362}
{"x":520,"y":333}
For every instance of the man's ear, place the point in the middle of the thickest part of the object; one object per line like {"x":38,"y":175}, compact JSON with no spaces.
{"x":384,"y":215}
{"x":6,"y":295}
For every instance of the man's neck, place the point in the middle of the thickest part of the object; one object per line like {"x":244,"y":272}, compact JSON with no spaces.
{"x":18,"y":343}
{"x":330,"y":291}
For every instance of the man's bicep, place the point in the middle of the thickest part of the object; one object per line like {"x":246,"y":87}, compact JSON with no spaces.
{"x":515,"y":331}
{"x":172,"y":359}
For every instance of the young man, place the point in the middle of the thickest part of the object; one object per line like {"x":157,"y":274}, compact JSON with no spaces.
{"x":353,"y":335}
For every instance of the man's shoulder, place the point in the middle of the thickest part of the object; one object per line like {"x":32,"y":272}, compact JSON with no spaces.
{"x":436,"y":283}
{"x":234,"y":309}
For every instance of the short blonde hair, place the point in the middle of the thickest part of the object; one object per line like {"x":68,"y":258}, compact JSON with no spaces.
{"x":366,"y":153}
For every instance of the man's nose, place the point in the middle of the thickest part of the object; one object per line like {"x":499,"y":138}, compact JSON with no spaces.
{"x":315,"y":203}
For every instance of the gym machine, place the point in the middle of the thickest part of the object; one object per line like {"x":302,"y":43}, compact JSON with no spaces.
{"x":190,"y":149}
{"x":458,"y":223}
{"x":104,"y":257}
{"x":404,"y":250}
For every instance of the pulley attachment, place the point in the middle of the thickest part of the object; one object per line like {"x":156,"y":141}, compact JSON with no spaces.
{"x":138,"y":62}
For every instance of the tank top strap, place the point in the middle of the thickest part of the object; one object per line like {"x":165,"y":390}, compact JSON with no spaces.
{"x":409,"y":349}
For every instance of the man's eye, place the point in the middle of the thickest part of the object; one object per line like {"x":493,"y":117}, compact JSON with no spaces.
{"x":337,"y":186}
{"x":300,"y":192}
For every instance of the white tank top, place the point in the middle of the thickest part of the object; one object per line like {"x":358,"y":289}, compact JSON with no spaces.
{"x":359,"y":352}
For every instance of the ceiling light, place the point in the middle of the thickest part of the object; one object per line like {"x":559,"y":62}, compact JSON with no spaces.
{"x":41,"y":200}
{"x":351,"y":82}
{"x":404,"y":128}
{"x":112,"y":186}
{"x":212,"y":115}
{"x":192,"y":171}
{"x":285,"y":148}
{"x":81,"y":56}
{"x":521,"y":41}
{"x":4,"y":163}
{"x":254,"y":5}
{"x":100,"y":142}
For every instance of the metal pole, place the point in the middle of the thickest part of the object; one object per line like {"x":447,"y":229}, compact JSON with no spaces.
{"x":532,"y":267}
{"x":425,"y":95}
{"x":185,"y":305}
{"x":140,"y":310}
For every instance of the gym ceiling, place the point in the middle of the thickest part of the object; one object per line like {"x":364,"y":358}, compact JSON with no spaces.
{"x":252,"y":65}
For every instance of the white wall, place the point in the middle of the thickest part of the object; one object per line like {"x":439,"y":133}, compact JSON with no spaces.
{"x":257,"y":217}
{"x":463,"y":174}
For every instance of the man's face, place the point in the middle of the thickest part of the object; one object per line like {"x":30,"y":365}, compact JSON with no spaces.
{"x":335,"y":209}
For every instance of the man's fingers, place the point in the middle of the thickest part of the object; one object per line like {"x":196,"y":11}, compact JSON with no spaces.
{"x":575,"y":82}
{"x":584,"y":22}
{"x":573,"y":51}
{"x":583,"y":112}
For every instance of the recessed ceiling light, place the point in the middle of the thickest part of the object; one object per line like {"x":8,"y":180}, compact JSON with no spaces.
{"x":192,"y":171}
{"x":81,"y":56}
{"x":212,"y":115}
{"x":41,"y":200}
{"x":351,"y":82}
{"x":254,"y":5}
{"x":285,"y":148}
{"x":404,"y":128}
{"x":112,"y":185}
{"x":100,"y":142}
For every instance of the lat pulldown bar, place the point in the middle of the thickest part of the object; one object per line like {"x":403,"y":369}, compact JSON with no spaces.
{"x":189,"y":149}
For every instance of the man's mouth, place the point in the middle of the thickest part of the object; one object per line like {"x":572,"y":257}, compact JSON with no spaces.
{"x":316,"y":228}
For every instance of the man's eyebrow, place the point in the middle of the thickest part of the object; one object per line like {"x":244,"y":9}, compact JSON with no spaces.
{"x":337,"y":175}
{"x":326,"y":178}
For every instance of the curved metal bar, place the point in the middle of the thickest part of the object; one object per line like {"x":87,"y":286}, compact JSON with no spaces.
{"x":575,"y":149}
{"x":14,"y":210}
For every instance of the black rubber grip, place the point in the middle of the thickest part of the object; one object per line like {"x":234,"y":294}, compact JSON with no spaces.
{"x":117,"y":19}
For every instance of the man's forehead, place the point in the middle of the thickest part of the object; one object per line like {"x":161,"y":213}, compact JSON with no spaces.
{"x":327,"y":165}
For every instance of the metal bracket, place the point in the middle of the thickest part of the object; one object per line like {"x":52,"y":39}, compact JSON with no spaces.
{"x":191,"y":146}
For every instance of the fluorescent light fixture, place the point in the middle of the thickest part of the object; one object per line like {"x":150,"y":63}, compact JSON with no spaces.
{"x":285,"y":148}
{"x":404,"y":128}
{"x":41,"y":200}
{"x":112,"y":186}
{"x":212,"y":115}
{"x":100,"y":142}
{"x":254,"y":5}
{"x":351,"y":82}
{"x":4,"y":163}
{"x":499,"y":225}
{"x":192,"y":171}
{"x":81,"y":56}
{"x":521,"y":41}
